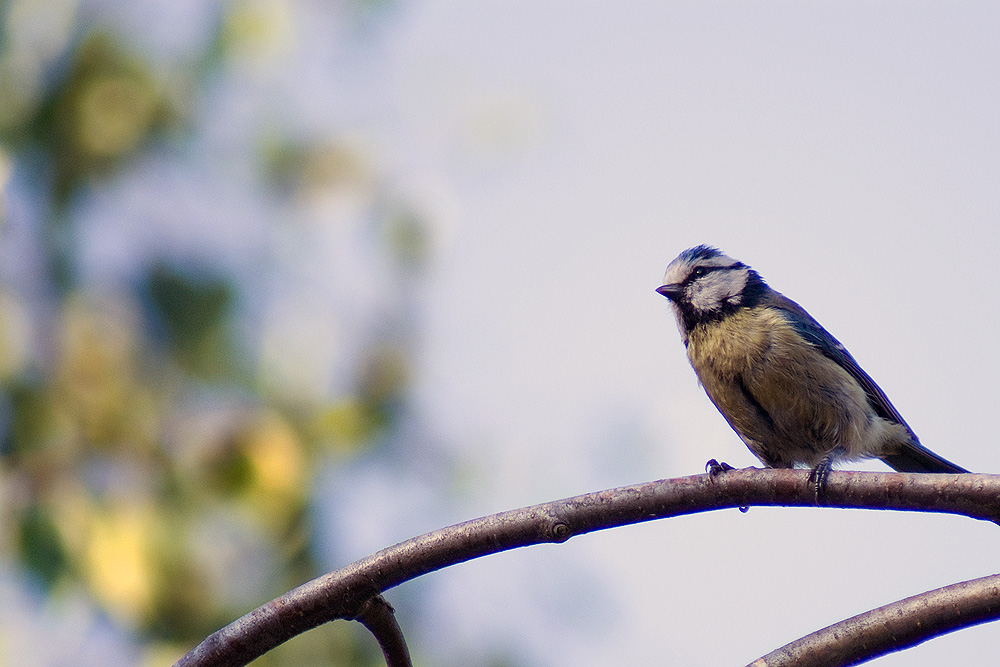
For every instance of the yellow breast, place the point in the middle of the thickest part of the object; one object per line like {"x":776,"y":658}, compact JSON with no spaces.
{"x":782,"y":394}
{"x":734,"y":345}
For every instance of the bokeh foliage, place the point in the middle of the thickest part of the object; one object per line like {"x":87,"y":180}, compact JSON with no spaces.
{"x":146,"y":458}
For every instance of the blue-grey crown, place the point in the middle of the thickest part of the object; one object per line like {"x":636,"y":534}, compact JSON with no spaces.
{"x":701,"y":252}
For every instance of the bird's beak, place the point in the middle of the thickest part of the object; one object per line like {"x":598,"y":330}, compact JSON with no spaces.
{"x":672,"y":291}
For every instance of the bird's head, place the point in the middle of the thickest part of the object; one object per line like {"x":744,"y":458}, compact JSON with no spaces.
{"x":703,"y":285}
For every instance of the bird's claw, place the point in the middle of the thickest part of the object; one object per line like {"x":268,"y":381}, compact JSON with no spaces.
{"x":817,"y":477}
{"x":714,"y":468}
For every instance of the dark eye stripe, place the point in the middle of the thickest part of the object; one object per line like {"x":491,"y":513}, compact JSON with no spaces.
{"x":701,"y":271}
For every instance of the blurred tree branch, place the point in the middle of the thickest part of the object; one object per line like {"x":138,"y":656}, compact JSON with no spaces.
{"x":341,"y":594}
{"x":153,"y":429}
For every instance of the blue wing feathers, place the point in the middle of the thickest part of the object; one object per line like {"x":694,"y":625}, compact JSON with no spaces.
{"x":916,"y":457}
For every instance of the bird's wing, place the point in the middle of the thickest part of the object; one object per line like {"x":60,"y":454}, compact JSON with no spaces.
{"x":914,"y":457}
{"x":832,"y":348}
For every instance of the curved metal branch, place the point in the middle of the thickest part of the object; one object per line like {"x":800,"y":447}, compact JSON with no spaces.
{"x":893,"y":627}
{"x":341,"y":593}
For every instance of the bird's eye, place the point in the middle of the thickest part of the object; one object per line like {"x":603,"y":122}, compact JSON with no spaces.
{"x":699,"y":272}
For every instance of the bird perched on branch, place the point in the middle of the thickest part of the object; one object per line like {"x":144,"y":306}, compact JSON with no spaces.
{"x":788,"y":388}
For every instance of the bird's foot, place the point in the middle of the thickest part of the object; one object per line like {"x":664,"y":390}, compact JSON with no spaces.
{"x":818,"y":475}
{"x":714,"y":468}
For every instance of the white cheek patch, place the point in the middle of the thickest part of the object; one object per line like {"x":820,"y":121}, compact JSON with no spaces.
{"x":717,"y":288}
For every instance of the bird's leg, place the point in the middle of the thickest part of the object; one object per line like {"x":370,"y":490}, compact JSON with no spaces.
{"x":818,"y":475}
{"x":714,"y":468}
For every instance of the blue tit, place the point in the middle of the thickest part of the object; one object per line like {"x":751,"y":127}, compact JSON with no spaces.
{"x":788,"y":388}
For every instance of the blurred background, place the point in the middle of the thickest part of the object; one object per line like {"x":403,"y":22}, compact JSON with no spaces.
{"x":283,"y":283}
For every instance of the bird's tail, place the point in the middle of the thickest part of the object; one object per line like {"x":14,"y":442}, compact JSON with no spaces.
{"x":914,"y":457}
